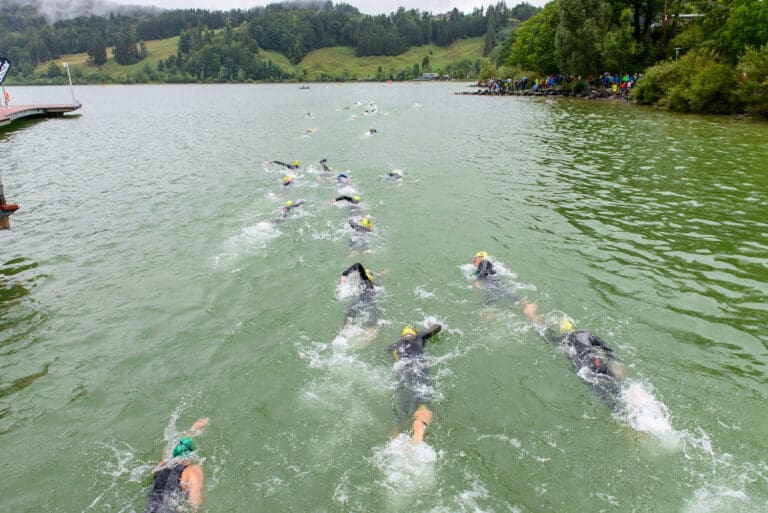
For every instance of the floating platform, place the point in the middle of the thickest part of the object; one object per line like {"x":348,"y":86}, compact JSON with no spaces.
{"x":11,"y":114}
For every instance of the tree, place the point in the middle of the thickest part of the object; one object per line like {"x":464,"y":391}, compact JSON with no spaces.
{"x":97,"y":50}
{"x":619,"y":46}
{"x":533,"y":48}
{"x":579,"y":35}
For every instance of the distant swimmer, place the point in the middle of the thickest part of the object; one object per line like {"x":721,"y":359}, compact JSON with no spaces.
{"x":394,"y":175}
{"x":342,"y":178}
{"x":372,"y":131}
{"x":287,"y":180}
{"x":178,"y":480}
{"x":411,"y":401}
{"x":355,"y":200}
{"x":364,"y":226}
{"x":364,"y":308}
{"x":486,"y":278}
{"x":286,"y":210}
{"x":308,"y":115}
{"x":325,"y":165}
{"x":594,"y":360}
{"x":295,"y":164}
{"x":310,"y":131}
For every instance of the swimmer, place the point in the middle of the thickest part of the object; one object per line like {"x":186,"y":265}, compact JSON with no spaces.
{"x":295,"y":164}
{"x":412,"y":400}
{"x":394,"y":175}
{"x":355,"y":200}
{"x":486,"y":278}
{"x":286,"y":211}
{"x":372,"y":131}
{"x":325,"y":165}
{"x":585,"y":350}
{"x":287,"y":180}
{"x":342,"y":178}
{"x":178,"y":479}
{"x":365,"y":306}
{"x":364,"y":226}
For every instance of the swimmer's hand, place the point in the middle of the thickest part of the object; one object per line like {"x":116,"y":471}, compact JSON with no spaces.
{"x":200,"y":424}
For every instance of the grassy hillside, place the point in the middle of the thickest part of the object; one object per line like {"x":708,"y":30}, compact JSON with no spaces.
{"x":335,"y":61}
{"x":319,"y":64}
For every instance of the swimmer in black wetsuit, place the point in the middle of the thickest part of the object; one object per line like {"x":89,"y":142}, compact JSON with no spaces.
{"x":295,"y":164}
{"x":411,"y":401}
{"x":286,"y":211}
{"x":178,"y":481}
{"x":395,"y":175}
{"x":325,"y":165}
{"x":487,"y":278}
{"x":355,"y":200}
{"x":287,"y":180}
{"x":587,"y":351}
{"x":342,"y":178}
{"x":364,"y":226}
{"x":365,"y":306}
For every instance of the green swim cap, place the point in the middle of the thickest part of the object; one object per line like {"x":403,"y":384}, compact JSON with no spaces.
{"x":184,"y":447}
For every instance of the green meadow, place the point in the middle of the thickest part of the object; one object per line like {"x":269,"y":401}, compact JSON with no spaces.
{"x":322,"y":64}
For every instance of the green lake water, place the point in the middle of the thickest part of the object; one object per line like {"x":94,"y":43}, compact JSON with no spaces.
{"x":142,"y":286}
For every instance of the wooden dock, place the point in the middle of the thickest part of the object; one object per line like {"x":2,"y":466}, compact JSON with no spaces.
{"x":10,"y":114}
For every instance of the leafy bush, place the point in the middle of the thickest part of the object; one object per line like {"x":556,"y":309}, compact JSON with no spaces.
{"x":754,"y":89}
{"x":696,"y":82}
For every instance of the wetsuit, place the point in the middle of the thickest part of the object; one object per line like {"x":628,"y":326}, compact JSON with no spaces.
{"x":287,"y":211}
{"x":413,"y":376}
{"x":325,"y":165}
{"x":167,"y":495}
{"x":347,"y":198}
{"x":365,"y":305}
{"x":394,"y":175}
{"x":586,"y":350}
{"x":358,"y":227}
{"x":289,"y":166}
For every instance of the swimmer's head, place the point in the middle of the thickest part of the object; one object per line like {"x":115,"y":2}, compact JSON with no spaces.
{"x":296,"y":163}
{"x":357,"y":197}
{"x":408,"y":331}
{"x":481,"y":254}
{"x":342,"y":177}
{"x":287,"y":179}
{"x":366,"y":222}
{"x":566,"y":326}
{"x":184,"y":447}
{"x":288,"y":203}
{"x":369,"y":274}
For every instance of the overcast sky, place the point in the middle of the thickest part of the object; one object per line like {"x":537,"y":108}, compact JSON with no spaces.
{"x":365,"y":6}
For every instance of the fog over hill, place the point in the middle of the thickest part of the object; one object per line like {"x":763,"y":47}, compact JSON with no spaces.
{"x":55,"y":10}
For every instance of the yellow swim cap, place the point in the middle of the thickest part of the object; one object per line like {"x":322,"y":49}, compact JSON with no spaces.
{"x":296,"y":163}
{"x":356,"y":197}
{"x":288,"y":203}
{"x":408,"y":330}
{"x":366,"y":222}
{"x":566,"y":326}
{"x":287,"y":179}
{"x":481,"y":254}
{"x":369,"y":274}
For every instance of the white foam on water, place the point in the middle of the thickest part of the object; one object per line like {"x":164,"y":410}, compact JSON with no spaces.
{"x":719,"y":499}
{"x":407,"y":468}
{"x":353,"y":337}
{"x":423,"y":294}
{"x":643,"y":412}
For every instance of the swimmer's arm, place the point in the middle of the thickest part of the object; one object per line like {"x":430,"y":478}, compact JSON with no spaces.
{"x":343,"y":198}
{"x":433,"y":330}
{"x":530,"y":310}
{"x":356,"y":267}
{"x":278,"y":162}
{"x":597,"y":341}
{"x":192,"y":482}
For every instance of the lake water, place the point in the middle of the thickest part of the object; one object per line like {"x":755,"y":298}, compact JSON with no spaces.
{"x":143,"y":285}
